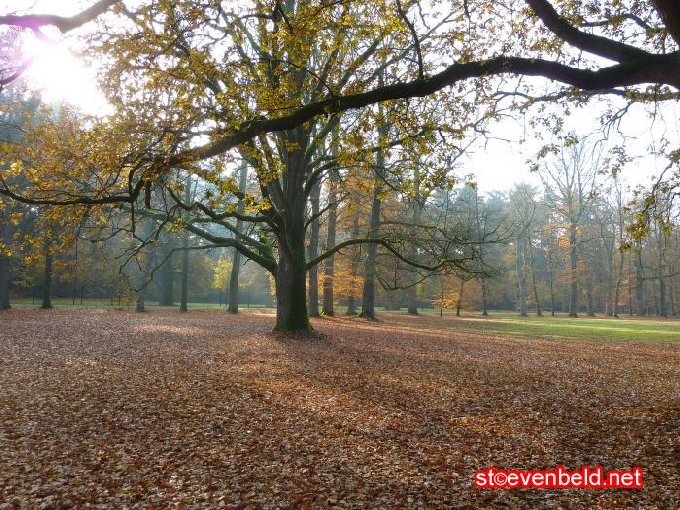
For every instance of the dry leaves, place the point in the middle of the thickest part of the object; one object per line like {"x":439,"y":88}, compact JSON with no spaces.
{"x":106,"y":408}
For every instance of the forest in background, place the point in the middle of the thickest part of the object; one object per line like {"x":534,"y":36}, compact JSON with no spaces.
{"x":566,"y":246}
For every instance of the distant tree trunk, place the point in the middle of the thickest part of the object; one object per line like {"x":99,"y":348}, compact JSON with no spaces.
{"x":550,"y":279}
{"x":184,"y":282}
{"x":368,"y":295}
{"x":539,"y":312}
{"x":140,"y":307}
{"x":236,"y":262}
{"x":5,"y":282}
{"x":617,"y":285}
{"x":233,"y":282}
{"x":313,"y":252}
{"x":639,"y":286}
{"x":47,"y":288}
{"x":329,"y":263}
{"x":413,"y":255}
{"x":589,"y":300}
{"x":573,"y":259}
{"x":519,"y":270}
{"x":459,"y":303}
{"x":166,"y":282}
{"x":661,"y":274}
{"x":611,"y":277}
{"x":354,"y":268}
{"x":485,"y":292}
{"x":671,"y":295}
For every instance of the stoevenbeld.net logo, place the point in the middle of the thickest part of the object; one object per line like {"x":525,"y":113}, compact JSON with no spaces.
{"x":559,"y":478}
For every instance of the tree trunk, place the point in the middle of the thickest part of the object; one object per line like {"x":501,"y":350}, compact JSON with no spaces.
{"x":313,"y":252}
{"x":291,"y":269}
{"x":617,"y":286}
{"x":550,"y":278}
{"x":661,"y":274}
{"x":166,"y":284}
{"x":354,"y":267}
{"x":573,"y":259}
{"x":47,"y":288}
{"x":459,"y":303}
{"x":539,"y":311}
{"x":184,"y":283}
{"x":5,"y":282}
{"x":639,"y":286}
{"x":236,"y":262}
{"x":233,"y":282}
{"x":291,"y":279}
{"x":519,"y":270}
{"x":589,"y":300}
{"x":368,"y":294}
{"x":413,"y":254}
{"x":485,"y":292}
{"x":329,"y":263}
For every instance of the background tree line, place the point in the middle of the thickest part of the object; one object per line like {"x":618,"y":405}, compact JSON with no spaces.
{"x":566,"y":245}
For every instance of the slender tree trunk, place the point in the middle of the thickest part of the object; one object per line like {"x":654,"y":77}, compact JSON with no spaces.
{"x":368,"y":295}
{"x":589,"y":300}
{"x":233,"y":282}
{"x":329,"y":264}
{"x":573,"y":259}
{"x":5,"y":282}
{"x":519,"y":270}
{"x":539,"y":311}
{"x":639,"y":286}
{"x":663,"y":307}
{"x":671,"y":295}
{"x":617,"y":285}
{"x":313,"y":252}
{"x":485,"y":292}
{"x":459,"y":303}
{"x":47,"y":288}
{"x":167,"y":284}
{"x":140,"y":306}
{"x":354,"y":268}
{"x":184,"y":283}
{"x":661,"y":275}
{"x":236,"y":262}
{"x":550,"y":279}
{"x":413,"y":252}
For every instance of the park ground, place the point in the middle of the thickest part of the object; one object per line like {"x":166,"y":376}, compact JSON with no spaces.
{"x":105,"y":408}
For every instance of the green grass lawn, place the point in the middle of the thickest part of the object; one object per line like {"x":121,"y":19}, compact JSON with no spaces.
{"x":565,"y":328}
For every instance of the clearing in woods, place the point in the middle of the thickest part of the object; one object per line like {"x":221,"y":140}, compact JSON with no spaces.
{"x":107,"y":408}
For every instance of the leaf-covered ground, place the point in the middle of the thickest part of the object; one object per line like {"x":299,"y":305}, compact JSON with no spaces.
{"x":106,"y":408}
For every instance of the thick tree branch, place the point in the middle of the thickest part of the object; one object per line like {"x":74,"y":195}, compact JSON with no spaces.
{"x":670,"y":13}
{"x":63,"y":23}
{"x":662,"y":69}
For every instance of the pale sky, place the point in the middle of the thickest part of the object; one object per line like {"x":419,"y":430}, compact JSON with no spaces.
{"x":58,"y":71}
